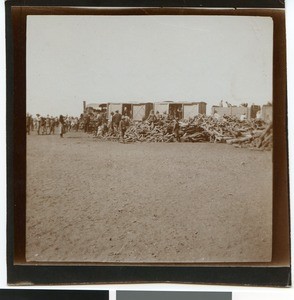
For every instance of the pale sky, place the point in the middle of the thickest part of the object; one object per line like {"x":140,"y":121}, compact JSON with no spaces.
{"x":146,"y":59}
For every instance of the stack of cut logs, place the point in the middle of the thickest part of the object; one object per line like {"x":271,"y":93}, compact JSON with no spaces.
{"x":254,"y":134}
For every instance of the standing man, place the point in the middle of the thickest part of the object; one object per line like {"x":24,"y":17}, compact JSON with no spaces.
{"x":127,"y":120}
{"x":32,"y":123}
{"x":61,"y":125}
{"x":43,"y":125}
{"x":38,"y":120}
{"x":76,"y":124}
{"x":122,"y":128}
{"x":47,"y":124}
{"x":99,"y":122}
{"x":116,"y":120}
{"x":52,"y":125}
{"x":176,"y":130}
{"x":151,"y":118}
{"x":28,"y":123}
{"x":110,"y":123}
{"x":179,"y":113}
{"x":86,"y":122}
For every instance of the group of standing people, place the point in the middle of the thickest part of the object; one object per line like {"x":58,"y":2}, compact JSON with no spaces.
{"x":49,"y":125}
{"x":46,"y":125}
{"x":115,"y":125}
{"x":119,"y":123}
{"x":98,"y":124}
{"x":43,"y":125}
{"x":159,"y":119}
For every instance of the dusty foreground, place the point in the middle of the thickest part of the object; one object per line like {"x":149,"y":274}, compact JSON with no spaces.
{"x":89,"y":200}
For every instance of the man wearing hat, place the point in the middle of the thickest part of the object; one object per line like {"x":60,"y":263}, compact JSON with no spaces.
{"x":61,"y":125}
{"x":116,"y":120}
{"x":28,"y":123}
{"x":110,"y":123}
{"x":122,"y":128}
{"x":38,"y":120}
{"x":52,"y":125}
{"x":47,"y":124}
{"x":176,"y":129}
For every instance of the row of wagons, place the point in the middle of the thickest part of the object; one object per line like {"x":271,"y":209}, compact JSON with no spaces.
{"x":140,"y":111}
{"x":266,"y":111}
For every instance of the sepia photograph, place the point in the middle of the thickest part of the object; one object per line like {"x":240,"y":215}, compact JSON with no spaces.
{"x":149,"y":139}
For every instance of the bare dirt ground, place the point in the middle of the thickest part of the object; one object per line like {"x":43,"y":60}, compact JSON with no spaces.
{"x":95,"y":201}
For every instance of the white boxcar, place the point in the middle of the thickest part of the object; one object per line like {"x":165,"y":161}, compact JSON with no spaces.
{"x":231,"y":111}
{"x":267,"y":113}
{"x":190,"y":110}
{"x":139,"y":111}
{"x":161,"y":108}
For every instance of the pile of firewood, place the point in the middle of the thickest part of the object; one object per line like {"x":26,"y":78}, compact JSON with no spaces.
{"x":254,"y":134}
{"x":262,"y":140}
{"x":150,"y":132}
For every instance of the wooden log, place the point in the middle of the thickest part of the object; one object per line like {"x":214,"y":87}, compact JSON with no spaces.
{"x":268,"y":128}
{"x":239,"y":140}
{"x":268,"y":138}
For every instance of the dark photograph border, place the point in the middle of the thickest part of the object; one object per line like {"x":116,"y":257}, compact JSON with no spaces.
{"x":17,"y":294}
{"x":275,"y":273}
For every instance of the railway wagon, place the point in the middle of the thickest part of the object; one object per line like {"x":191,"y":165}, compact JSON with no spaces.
{"x":182,"y":110}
